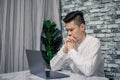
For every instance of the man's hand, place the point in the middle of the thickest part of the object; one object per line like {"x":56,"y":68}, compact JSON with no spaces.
{"x":70,"y":43}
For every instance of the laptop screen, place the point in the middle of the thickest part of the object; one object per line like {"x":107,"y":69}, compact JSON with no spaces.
{"x":35,"y":62}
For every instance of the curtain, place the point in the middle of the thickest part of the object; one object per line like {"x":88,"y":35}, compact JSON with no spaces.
{"x":21,"y":23}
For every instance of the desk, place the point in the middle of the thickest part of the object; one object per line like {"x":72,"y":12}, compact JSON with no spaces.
{"x":26,"y":75}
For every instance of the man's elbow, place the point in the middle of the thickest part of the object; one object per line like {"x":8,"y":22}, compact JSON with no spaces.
{"x":89,"y":73}
{"x":54,"y":67}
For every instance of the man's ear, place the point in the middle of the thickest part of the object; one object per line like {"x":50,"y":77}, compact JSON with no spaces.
{"x":82,"y":26}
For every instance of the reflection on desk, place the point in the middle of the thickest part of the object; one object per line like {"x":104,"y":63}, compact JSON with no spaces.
{"x":26,"y":75}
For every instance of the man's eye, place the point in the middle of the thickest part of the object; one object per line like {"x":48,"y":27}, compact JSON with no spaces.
{"x":69,"y":30}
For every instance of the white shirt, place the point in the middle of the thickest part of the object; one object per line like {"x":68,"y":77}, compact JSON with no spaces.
{"x":86,"y":59}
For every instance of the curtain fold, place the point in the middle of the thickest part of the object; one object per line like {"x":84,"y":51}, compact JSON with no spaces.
{"x":21,"y":23}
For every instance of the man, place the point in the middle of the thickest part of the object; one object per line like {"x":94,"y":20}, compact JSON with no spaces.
{"x":81,"y":51}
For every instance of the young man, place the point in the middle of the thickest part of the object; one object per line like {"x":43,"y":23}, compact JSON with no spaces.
{"x":81,"y":51}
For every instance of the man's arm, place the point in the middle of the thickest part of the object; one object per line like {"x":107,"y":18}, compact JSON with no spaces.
{"x":58,"y":60}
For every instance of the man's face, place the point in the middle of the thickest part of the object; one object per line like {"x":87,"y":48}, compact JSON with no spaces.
{"x":75,"y":30}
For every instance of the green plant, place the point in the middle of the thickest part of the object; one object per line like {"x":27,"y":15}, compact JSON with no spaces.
{"x":51,"y":39}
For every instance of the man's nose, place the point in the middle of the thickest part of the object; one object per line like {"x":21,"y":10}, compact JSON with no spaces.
{"x":69,"y":33}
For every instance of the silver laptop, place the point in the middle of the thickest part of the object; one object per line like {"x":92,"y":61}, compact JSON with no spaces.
{"x":38,"y":67}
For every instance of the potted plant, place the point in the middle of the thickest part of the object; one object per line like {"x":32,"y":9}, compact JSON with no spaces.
{"x":51,"y":40}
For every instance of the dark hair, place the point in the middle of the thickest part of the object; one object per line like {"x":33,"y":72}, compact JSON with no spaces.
{"x":77,"y":16}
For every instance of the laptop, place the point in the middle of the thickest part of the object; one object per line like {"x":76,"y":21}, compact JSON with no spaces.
{"x":37,"y":66}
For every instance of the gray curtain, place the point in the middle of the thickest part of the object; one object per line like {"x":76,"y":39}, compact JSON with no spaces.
{"x":20,"y":29}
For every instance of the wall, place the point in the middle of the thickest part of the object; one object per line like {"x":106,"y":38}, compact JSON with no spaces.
{"x":102,"y":21}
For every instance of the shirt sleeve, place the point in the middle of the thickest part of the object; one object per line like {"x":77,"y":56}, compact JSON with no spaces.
{"x":89,"y":63}
{"x":58,"y":60}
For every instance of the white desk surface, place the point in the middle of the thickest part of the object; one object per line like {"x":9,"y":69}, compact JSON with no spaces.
{"x":26,"y":75}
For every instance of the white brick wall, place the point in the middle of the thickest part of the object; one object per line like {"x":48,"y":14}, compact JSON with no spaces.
{"x":103,"y":21}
